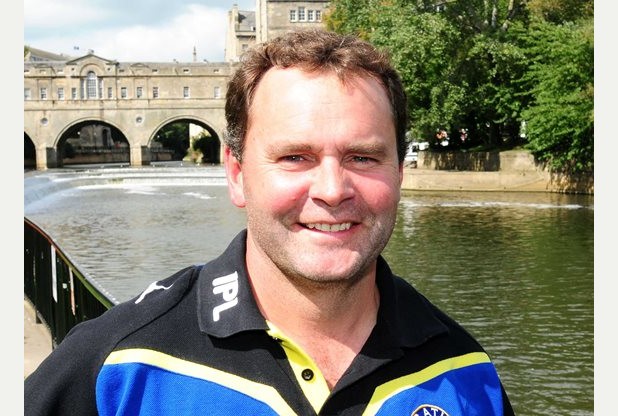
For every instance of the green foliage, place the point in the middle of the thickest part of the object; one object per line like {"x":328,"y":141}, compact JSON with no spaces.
{"x":208,"y":147}
{"x":175,"y":136}
{"x":420,"y":46}
{"x":560,"y":117}
{"x":560,"y":11}
{"x":488,"y":66}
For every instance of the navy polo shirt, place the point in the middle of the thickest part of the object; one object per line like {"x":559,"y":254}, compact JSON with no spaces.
{"x":196,"y":343}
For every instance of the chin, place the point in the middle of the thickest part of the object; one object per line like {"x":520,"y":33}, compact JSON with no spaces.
{"x":329,"y":273}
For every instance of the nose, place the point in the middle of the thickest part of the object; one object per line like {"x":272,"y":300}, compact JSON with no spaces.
{"x":331,"y":183}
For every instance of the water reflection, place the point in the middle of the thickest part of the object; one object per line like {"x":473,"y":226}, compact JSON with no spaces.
{"x":515,"y":269}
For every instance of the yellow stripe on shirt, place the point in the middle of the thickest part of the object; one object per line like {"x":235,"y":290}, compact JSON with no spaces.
{"x":388,"y":390}
{"x":264,"y":393}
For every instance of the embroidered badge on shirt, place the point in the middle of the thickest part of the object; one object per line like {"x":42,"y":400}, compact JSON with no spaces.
{"x":429,"y":410}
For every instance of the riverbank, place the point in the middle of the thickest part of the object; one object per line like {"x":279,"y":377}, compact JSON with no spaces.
{"x":513,"y":170}
{"x":37,"y":340}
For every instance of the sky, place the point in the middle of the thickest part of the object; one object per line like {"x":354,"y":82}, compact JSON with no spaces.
{"x":131,"y":30}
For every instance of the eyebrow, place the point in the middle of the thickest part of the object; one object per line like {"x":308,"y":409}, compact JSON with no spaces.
{"x":289,"y":147}
{"x":373,"y":148}
{"x":379,"y":149}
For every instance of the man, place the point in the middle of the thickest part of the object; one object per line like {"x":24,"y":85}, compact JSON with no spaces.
{"x":301,"y":315}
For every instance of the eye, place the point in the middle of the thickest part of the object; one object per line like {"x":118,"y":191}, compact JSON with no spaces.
{"x":363,"y":159}
{"x":293,"y":158}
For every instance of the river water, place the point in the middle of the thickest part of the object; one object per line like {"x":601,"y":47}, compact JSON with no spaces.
{"x":516,"y":269}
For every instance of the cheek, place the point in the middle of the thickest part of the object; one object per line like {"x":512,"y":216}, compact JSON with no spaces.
{"x":382,"y":199}
{"x":379,"y":193}
{"x":275,"y":193}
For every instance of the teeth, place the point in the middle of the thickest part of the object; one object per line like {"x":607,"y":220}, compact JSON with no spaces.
{"x":331,"y":227}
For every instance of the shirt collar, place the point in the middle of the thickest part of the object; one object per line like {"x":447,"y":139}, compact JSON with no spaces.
{"x":405,"y":316}
{"x":226,"y":304}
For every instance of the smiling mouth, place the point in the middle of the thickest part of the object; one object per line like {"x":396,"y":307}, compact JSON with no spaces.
{"x":329,"y":227}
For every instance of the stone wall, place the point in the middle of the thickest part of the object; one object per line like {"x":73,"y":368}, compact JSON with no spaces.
{"x":490,"y":171}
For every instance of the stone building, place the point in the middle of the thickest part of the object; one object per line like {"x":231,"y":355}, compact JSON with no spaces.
{"x":270,"y":18}
{"x":240,"y":33}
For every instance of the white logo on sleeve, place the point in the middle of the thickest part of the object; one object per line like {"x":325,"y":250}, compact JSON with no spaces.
{"x":151,"y":288}
{"x":228,"y":287}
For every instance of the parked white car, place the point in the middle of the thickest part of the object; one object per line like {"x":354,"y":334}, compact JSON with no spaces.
{"x":413,"y":148}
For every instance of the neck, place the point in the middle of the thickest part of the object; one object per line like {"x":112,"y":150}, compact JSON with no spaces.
{"x":332,"y":309}
{"x":330,"y":321}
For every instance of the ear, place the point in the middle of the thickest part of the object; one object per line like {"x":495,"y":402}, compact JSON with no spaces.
{"x":233,"y":172}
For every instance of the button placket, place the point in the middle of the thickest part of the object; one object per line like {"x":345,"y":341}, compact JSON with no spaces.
{"x":307,"y":374}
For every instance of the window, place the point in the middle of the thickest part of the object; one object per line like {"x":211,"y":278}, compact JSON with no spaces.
{"x":301,"y":14}
{"x":318,"y":15}
{"x":27,"y":94}
{"x":73,"y":93}
{"x":155,"y":92}
{"x":91,"y":85}
{"x":139,"y":92}
{"x":110,"y":93}
{"x":43,"y":93}
{"x":60,"y":93}
{"x":310,"y":15}
{"x":217,"y":92}
{"x":123,"y":92}
{"x":293,"y":15}
{"x":185,"y":92}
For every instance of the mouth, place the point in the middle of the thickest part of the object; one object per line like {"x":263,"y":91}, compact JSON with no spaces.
{"x":332,"y":228}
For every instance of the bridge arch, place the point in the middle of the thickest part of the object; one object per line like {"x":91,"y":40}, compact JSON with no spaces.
{"x":91,"y":140}
{"x":79,"y":122}
{"x":29,"y":152}
{"x":204,"y":143}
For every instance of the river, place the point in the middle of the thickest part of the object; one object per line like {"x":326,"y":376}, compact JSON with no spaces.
{"x":516,"y":269}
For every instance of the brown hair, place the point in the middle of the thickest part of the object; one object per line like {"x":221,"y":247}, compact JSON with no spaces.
{"x":311,"y":50}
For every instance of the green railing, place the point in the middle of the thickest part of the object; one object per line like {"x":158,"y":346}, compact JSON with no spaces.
{"x":61,"y":294}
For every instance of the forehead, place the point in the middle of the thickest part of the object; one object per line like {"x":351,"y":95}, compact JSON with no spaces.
{"x":295,"y":86}
{"x":295,"y":107}
{"x":295,"y":73}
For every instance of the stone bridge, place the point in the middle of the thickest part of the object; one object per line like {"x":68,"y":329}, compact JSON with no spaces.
{"x":127,"y":104}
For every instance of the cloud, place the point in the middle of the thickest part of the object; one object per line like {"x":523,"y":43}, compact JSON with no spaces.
{"x":130,"y":30}
{"x":200,"y":27}
{"x":42,"y":15}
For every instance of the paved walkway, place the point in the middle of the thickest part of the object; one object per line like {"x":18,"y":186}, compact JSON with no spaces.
{"x":37,"y":340}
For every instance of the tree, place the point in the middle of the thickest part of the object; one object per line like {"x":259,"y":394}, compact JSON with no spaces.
{"x":489,"y":66}
{"x":449,"y":55}
{"x":561,"y":11}
{"x":175,"y":136}
{"x":560,"y":117}
{"x":208,"y":147}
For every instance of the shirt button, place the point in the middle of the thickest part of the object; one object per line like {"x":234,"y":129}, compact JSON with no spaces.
{"x":307,"y":374}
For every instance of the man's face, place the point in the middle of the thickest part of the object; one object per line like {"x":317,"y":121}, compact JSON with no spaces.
{"x":319,"y":178}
